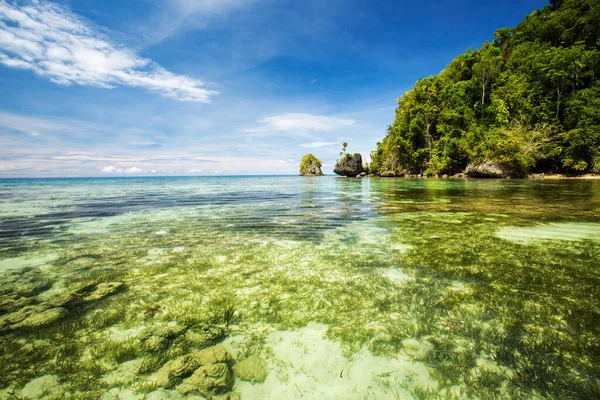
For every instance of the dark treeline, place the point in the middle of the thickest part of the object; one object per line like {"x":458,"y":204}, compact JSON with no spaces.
{"x":528,"y":101}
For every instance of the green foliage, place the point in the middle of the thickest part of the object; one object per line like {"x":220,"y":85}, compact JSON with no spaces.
{"x":529,"y":99}
{"x":344,"y":148}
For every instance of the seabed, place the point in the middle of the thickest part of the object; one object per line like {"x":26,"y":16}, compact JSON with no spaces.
{"x":299,"y":288}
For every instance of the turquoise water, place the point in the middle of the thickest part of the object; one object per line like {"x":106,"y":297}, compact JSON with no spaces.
{"x":342,"y":288}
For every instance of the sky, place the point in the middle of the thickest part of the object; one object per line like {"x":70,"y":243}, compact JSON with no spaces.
{"x":217,"y":87}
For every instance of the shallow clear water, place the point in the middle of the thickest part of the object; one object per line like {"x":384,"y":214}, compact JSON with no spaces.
{"x":346,"y":288}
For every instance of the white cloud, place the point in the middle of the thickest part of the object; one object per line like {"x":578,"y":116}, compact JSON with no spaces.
{"x":111,"y":169}
{"x":178,"y":15}
{"x":54,"y":43}
{"x":300,"y":122}
{"x":317,"y":144}
{"x":9,"y":168}
{"x":187,"y":7}
{"x":194,"y":171}
{"x":135,"y":170}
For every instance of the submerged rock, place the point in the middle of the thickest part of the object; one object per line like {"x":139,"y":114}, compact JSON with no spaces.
{"x":86,"y":294}
{"x":25,"y":282}
{"x":45,"y":317}
{"x":162,"y":394}
{"x":252,"y":369}
{"x":350,"y":166}
{"x":176,"y":370}
{"x":103,"y":290}
{"x":227,"y":396}
{"x":68,"y":300}
{"x":10,"y":303}
{"x":46,"y":387}
{"x":203,"y":336}
{"x":159,"y":338}
{"x":418,"y":350}
{"x":124,"y":374}
{"x":31,"y":317}
{"x":208,"y":380}
{"x":21,"y":312}
{"x":121,"y":394}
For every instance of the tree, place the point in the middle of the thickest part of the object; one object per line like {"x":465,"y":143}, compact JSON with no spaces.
{"x":555,"y":4}
{"x":528,"y":99}
{"x":563,"y":69}
{"x":344,"y":147}
{"x":488,"y":67}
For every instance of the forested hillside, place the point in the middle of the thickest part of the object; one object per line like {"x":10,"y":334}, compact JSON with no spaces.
{"x":528,"y":101}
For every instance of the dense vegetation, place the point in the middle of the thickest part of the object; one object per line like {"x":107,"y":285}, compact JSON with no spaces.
{"x":529,"y":101}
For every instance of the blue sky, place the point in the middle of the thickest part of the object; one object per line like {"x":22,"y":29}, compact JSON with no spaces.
{"x":205,"y":87}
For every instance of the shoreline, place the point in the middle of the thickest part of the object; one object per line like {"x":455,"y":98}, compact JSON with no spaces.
{"x":537,"y":177}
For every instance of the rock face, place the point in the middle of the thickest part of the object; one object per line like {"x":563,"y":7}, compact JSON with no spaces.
{"x":22,"y":308}
{"x":310,"y":166}
{"x":25,"y":282}
{"x":418,"y":350}
{"x":205,"y":371}
{"x":159,"y":338}
{"x":350,"y":166}
{"x":46,"y":387}
{"x":208,"y":380}
{"x":204,"y":336}
{"x":487,"y":169}
{"x":252,"y":369}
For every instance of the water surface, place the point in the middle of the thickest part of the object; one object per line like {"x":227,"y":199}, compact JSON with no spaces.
{"x":347,"y":288}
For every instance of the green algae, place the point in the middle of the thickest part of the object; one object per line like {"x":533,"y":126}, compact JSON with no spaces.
{"x":387,"y":261}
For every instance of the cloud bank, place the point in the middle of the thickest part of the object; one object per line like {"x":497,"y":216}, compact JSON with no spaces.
{"x":9,"y":168}
{"x":111,"y":169}
{"x":298,"y":123}
{"x":56,"y":44}
{"x":314,"y":145}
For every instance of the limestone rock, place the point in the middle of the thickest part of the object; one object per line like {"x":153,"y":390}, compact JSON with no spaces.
{"x":46,"y":387}
{"x":387,"y":174}
{"x":418,"y":350}
{"x":15,"y":317}
{"x":208,"y":380}
{"x":121,"y":394}
{"x":487,"y":169}
{"x":69,"y":300}
{"x":163,"y":394}
{"x":43,"y":318}
{"x":252,"y":369}
{"x":310,"y":166}
{"x":350,"y":166}
{"x":175,"y":370}
{"x":85,"y":294}
{"x":159,"y":338}
{"x":204,"y":335}
{"x":124,"y":374}
{"x":212,"y":355}
{"x":10,"y":303}
{"x":39,"y":344}
{"x":31,"y":317}
{"x":227,"y":396}
{"x":103,"y":290}
{"x":26,"y":282}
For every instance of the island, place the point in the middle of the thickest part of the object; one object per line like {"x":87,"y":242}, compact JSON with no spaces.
{"x":527,"y":102}
{"x":310,"y":165}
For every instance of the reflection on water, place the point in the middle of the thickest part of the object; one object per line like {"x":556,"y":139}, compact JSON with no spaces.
{"x":312,"y":287}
